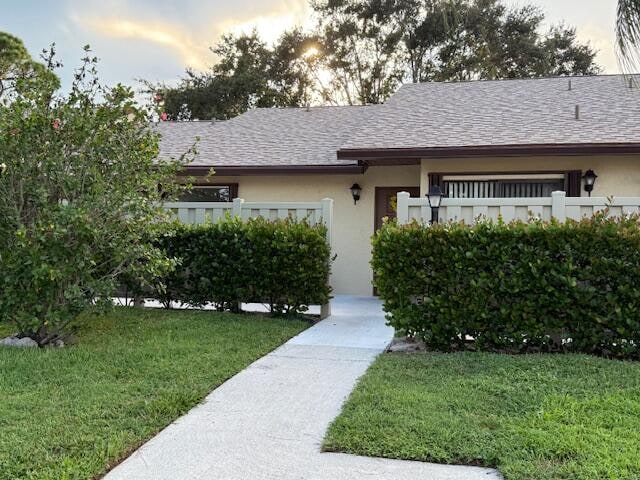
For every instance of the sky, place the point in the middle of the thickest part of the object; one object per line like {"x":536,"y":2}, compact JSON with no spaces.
{"x":157,"y":39}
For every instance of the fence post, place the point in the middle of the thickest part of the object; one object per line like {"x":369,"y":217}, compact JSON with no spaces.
{"x":402,"y":206}
{"x":327,"y":218}
{"x":236,"y":210}
{"x":558,"y":206}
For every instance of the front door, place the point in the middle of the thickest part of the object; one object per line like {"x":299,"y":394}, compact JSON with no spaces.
{"x":386,"y":202}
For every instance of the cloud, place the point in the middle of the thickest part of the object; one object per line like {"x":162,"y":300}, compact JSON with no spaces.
{"x":190,"y":39}
{"x":602,"y":39}
{"x":193,"y":53}
{"x":269,"y":27}
{"x":271,"y":24}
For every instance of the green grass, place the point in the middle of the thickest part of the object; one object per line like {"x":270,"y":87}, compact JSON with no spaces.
{"x":71,"y":413}
{"x":534,"y":417}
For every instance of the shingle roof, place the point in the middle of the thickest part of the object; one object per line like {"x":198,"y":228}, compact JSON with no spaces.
{"x":461,"y":114}
{"x":505,"y":112}
{"x":268,"y":137}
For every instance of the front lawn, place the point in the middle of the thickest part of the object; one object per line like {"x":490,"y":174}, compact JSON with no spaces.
{"x":71,"y":413}
{"x":534,"y":417}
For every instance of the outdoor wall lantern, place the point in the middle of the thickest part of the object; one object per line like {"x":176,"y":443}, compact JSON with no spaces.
{"x":435,"y":198}
{"x":589,"y":179}
{"x":356,"y":190}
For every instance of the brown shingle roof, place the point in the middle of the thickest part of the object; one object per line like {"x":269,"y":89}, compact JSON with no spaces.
{"x":428,"y":115}
{"x":267,"y":137}
{"x":505,"y":112}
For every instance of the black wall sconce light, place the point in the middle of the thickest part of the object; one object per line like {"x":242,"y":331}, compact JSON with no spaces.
{"x":589,"y":180}
{"x":356,"y":190}
{"x":435,"y":199}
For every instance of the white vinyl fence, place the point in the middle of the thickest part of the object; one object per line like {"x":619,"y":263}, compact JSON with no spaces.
{"x":469,"y":210}
{"x":203,"y":212}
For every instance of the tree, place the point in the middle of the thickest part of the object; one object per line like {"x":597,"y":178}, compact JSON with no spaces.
{"x":247,"y":74}
{"x":491,"y":42}
{"x":360,"y":49}
{"x":565,"y":56}
{"x":16,"y":64}
{"x":373,"y":45}
{"x":427,"y":26}
{"x":628,"y":33}
{"x":78,"y":190}
{"x":290,"y":74}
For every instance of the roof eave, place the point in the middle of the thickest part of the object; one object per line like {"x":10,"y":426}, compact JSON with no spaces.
{"x":372,"y":155}
{"x":202,"y":170}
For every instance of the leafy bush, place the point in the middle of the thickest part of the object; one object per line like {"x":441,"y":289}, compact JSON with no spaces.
{"x":282,"y":263}
{"x":517,"y":287}
{"x":78,"y":188}
{"x":289,"y":264}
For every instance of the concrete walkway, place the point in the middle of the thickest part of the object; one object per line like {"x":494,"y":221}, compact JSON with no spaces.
{"x":269,"y":420}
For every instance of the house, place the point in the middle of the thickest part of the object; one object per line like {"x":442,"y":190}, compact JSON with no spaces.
{"x":505,"y":138}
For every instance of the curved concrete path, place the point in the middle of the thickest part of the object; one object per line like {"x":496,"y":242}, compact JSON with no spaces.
{"x":269,"y":420}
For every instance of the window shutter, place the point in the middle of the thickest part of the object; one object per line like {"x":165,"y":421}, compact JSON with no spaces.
{"x":573,"y":183}
{"x":436,"y":179}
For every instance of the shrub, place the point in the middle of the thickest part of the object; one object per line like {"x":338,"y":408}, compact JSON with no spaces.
{"x":290,"y":261}
{"x":78,"y":187}
{"x":517,"y":287}
{"x":282,"y":263}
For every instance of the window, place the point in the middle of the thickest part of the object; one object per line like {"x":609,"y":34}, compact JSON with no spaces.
{"x":501,"y":186}
{"x":211,"y":193}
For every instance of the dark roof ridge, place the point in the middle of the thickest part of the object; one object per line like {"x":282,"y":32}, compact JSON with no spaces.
{"x":490,"y":80}
{"x":312,"y":107}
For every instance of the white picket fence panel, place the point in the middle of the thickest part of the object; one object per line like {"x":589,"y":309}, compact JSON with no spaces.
{"x":203,"y":212}
{"x":469,"y":210}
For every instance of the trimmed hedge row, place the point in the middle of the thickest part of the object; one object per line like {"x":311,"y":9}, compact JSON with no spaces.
{"x":282,"y":263}
{"x":517,"y":287}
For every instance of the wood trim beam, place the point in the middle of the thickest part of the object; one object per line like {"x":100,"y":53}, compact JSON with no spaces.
{"x":371,"y":156}
{"x":276,"y":170}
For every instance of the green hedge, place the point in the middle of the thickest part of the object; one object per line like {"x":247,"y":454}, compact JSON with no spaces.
{"x":518,"y":287}
{"x":282,"y":263}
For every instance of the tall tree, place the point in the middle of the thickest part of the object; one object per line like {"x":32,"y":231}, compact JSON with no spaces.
{"x":490,"y":41}
{"x":360,"y":49}
{"x":427,"y":26}
{"x":628,"y":34}
{"x":17,"y":65}
{"x":373,"y":45}
{"x":248,"y":74}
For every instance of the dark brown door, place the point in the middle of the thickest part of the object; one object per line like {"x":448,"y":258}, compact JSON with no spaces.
{"x":386,"y":201}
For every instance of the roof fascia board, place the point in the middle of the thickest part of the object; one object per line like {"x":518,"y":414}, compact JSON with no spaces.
{"x":199,"y":170}
{"x":489,"y":151}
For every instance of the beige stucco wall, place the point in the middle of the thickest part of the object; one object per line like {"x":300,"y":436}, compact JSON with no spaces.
{"x":617,"y":175}
{"x":353,"y":225}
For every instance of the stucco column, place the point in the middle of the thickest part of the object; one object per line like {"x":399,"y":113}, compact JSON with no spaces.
{"x":424,"y":178}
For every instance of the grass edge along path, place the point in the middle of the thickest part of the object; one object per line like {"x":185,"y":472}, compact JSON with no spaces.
{"x":73,"y":413}
{"x":535,"y":417}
